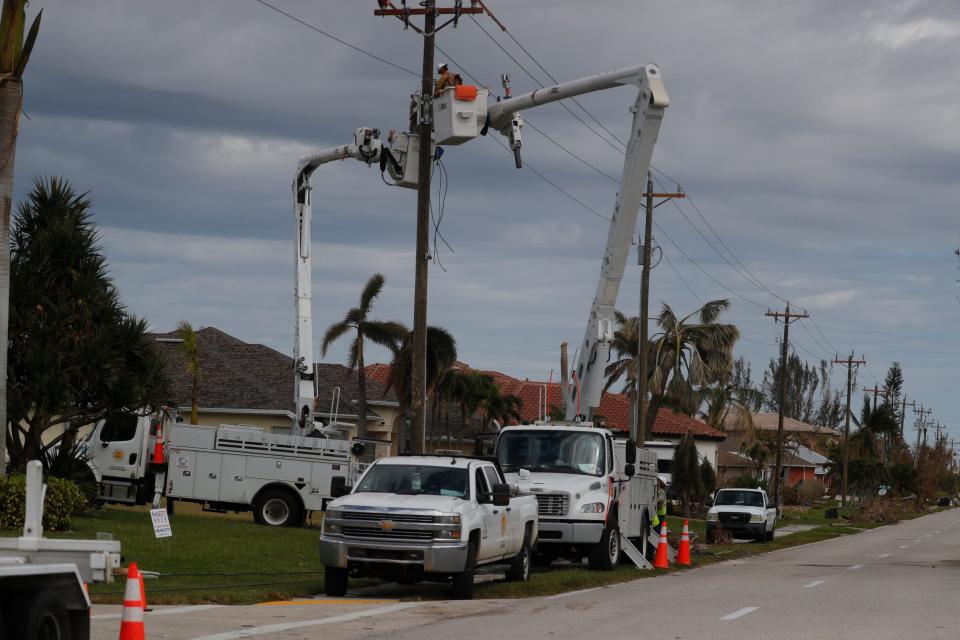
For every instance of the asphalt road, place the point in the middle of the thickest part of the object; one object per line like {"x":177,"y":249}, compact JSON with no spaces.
{"x":901,"y":581}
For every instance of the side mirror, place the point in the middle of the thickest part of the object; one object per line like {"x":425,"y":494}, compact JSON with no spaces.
{"x":631,"y":453}
{"x":104,"y":444}
{"x":357,"y":448}
{"x":338,"y":486}
{"x":629,"y":470}
{"x":501,"y":495}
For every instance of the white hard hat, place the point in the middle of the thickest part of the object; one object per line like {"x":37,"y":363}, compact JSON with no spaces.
{"x":441,"y":66}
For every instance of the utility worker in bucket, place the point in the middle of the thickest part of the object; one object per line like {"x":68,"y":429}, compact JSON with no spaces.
{"x":444,"y":79}
{"x":661,"y":504}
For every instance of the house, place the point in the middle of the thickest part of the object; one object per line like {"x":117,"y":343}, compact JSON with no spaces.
{"x":541,"y":399}
{"x":252,"y":384}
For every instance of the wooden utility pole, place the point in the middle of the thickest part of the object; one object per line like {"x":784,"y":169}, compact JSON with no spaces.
{"x":850,"y":364}
{"x":787,"y":318}
{"x":903,"y":411}
{"x":642,"y":431}
{"x":418,"y":375}
{"x":921,"y":427}
{"x":876,"y":391}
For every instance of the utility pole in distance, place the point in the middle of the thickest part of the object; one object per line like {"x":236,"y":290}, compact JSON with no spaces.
{"x":418,"y":375}
{"x":876,"y":391}
{"x":787,"y":317}
{"x":903,"y":411}
{"x":642,"y":431}
{"x":850,"y":364}
{"x":921,"y":427}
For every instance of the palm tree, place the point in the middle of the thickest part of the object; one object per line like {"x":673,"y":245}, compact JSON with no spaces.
{"x":386,"y":334}
{"x":687,"y":355}
{"x":502,"y":409}
{"x":625,"y":341}
{"x":191,"y":353}
{"x":14,"y":53}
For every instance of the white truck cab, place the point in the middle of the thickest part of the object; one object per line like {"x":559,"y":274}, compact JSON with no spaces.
{"x":413,"y":518}
{"x":589,"y":494}
{"x":745,"y":513}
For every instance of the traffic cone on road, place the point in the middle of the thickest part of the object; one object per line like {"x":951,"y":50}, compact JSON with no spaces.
{"x":143,"y":591}
{"x":683,"y":555}
{"x":131,"y":624}
{"x":662,"y":559}
{"x":158,"y":447}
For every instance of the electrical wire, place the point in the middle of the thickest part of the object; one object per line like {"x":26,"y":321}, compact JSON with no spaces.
{"x":816,"y":341}
{"x":822,"y":335}
{"x":682,"y":279}
{"x":336,"y":39}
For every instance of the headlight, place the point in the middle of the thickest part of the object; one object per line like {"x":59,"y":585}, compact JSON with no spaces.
{"x":449,"y":519}
{"x":756,"y":518}
{"x":712,"y":516}
{"x":328,"y":526}
{"x":593,"y":507}
{"x":451,"y":530}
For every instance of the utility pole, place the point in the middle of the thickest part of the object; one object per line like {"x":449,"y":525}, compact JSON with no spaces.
{"x":921,"y":426}
{"x":642,"y":430}
{"x":418,"y":375}
{"x":787,"y":317}
{"x":850,"y":364}
{"x":903,"y":411}
{"x":876,"y":391}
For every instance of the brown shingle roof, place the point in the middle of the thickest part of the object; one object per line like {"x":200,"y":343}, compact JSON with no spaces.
{"x":240,"y":375}
{"x":767,"y":421}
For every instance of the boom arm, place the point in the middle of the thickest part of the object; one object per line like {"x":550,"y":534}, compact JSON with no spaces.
{"x":366,"y":147}
{"x":583,"y":398}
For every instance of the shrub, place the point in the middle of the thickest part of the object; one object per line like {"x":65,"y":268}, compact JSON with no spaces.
{"x":791,"y":495}
{"x":747,"y":481}
{"x":880,"y":510}
{"x":64,"y":499}
{"x":810,"y":491}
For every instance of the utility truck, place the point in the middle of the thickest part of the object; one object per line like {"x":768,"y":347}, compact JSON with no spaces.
{"x":434,"y":518}
{"x":281,"y":478}
{"x":744,"y":513}
{"x":42,"y":594}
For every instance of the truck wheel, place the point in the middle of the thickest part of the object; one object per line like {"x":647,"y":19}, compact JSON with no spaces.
{"x":462,"y":587}
{"x":604,"y":555}
{"x":278,"y":508}
{"x":519,"y":570}
{"x":769,"y":535}
{"x":335,"y":581}
{"x":46,"y":618}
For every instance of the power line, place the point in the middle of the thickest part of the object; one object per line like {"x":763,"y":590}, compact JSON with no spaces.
{"x":827,"y":340}
{"x":336,"y":39}
{"x":682,"y":279}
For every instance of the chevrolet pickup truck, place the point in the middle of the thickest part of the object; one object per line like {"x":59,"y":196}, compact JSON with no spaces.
{"x":744,"y":513}
{"x":427,"y":518}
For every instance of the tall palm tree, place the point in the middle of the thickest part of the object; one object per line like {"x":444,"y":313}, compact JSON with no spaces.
{"x":14,"y":53}
{"x":357,"y":320}
{"x":502,"y":408}
{"x":626,"y":339}
{"x":688,"y":353}
{"x":191,"y":353}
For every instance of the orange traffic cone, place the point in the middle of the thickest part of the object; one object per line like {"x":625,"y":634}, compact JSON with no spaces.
{"x":158,"y":447}
{"x":683,"y":555}
{"x":143,"y":591}
{"x":661,"y":560}
{"x":131,"y":625}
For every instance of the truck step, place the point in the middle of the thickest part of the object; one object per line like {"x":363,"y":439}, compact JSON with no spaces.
{"x":634,"y":554}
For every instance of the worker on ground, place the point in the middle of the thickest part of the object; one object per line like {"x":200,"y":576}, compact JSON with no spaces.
{"x":661,"y":504}
{"x":443,"y":80}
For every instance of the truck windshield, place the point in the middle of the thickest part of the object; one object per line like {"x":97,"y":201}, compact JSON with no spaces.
{"x":553,"y":451}
{"x":740,"y":498}
{"x":412,"y":480}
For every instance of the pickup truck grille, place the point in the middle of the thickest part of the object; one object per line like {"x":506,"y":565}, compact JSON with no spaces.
{"x":552,"y":505}
{"x":733,"y":518}
{"x":394,"y":534}
{"x":377,"y":517}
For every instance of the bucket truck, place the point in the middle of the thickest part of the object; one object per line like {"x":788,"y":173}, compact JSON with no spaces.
{"x":596,"y":489}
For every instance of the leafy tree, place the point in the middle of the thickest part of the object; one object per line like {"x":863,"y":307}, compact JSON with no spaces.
{"x":685,"y":472}
{"x":733,"y":399}
{"x":809,"y":397}
{"x":15,"y":51}
{"x":557,"y":412}
{"x":75,"y":353}
{"x":708,"y":478}
{"x":894,"y":387}
{"x":191,"y":353}
{"x":357,"y":321}
{"x":688,"y":353}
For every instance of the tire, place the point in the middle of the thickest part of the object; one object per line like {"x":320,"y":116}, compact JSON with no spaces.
{"x":769,"y":535}
{"x":46,"y":618}
{"x":278,"y":508}
{"x":604,"y":555}
{"x":519,"y":570}
{"x":335,"y":581}
{"x":462,"y":587}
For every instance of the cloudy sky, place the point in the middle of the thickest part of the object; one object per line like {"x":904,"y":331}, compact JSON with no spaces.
{"x":820,"y":139}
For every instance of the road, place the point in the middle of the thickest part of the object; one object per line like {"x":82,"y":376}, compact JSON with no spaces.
{"x":900,"y":581}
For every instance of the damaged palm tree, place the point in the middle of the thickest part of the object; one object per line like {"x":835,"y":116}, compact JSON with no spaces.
{"x":14,"y":53}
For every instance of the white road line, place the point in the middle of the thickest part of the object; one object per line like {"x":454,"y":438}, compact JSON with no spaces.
{"x":571,"y":593}
{"x":917,"y":540}
{"x":903,"y":546}
{"x":928,"y":535}
{"x":161,"y":612}
{"x":738,"y":613}
{"x":884,"y":555}
{"x":287,"y":626}
{"x":815,"y":583}
{"x":856,"y":567}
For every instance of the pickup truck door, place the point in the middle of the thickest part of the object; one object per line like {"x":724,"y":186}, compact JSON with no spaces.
{"x":494,"y":519}
{"x":116,"y":446}
{"x":512,"y":537}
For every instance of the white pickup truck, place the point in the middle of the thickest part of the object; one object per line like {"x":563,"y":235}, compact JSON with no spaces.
{"x":435,"y":518}
{"x":744,"y":513}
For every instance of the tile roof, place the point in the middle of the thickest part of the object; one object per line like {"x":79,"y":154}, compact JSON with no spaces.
{"x":614,"y":407}
{"x":240,"y":375}
{"x":767,"y":421}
